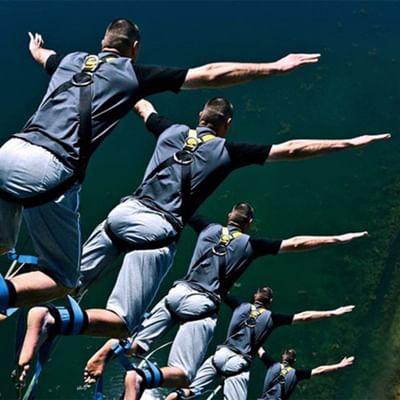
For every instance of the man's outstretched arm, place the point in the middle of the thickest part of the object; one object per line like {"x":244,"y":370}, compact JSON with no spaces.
{"x":324,"y":369}
{"x":304,"y":148}
{"x":231,"y":73}
{"x":39,"y":54}
{"x":307,"y":316}
{"x":298,"y":243}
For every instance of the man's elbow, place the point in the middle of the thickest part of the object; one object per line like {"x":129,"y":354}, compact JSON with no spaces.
{"x":203,"y":76}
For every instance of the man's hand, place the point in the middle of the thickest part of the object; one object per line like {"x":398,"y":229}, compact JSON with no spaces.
{"x":366,"y":139}
{"x":343,"y":310}
{"x":346,"y":362}
{"x":144,"y":109}
{"x":348,"y":237}
{"x":36,"y":41}
{"x":39,"y":54}
{"x":293,"y":61}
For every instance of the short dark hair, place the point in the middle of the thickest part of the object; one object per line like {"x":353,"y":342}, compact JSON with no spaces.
{"x":241,"y":214}
{"x":289,"y":355}
{"x":217,"y":111}
{"x":264,"y":295}
{"x":121,"y":34}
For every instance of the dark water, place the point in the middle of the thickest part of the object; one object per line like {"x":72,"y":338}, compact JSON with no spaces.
{"x":354,"y":89}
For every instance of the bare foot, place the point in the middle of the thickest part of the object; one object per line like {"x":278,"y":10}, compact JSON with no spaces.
{"x":96,"y":364}
{"x":38,"y":325}
{"x":174,"y":395}
{"x":132,"y":385}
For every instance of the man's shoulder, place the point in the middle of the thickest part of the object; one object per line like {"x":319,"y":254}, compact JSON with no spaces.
{"x":175,"y":130}
{"x":75,"y":56}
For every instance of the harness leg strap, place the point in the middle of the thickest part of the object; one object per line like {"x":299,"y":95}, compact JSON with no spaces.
{"x":8,"y":296}
{"x":70,"y":320}
{"x":151,"y":375}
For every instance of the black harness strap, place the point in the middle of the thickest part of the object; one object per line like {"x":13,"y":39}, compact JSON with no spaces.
{"x":41,"y":198}
{"x":222,"y":263}
{"x":85,"y":129}
{"x":186,"y":175}
{"x":184,"y":158}
{"x":126,"y":246}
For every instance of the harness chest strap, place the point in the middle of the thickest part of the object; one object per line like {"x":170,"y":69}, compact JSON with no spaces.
{"x":184,"y":157}
{"x":219,"y":250}
{"x":285,"y":369}
{"x":255,"y":312}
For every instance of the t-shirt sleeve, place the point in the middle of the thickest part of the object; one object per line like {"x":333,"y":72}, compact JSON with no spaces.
{"x":157,"y":124}
{"x":302,"y":374}
{"x":52,"y":63}
{"x":267,"y":360}
{"x":198,"y":223}
{"x":155,"y":79}
{"x":282,"y":319}
{"x":263,"y":247}
{"x":243,"y":154}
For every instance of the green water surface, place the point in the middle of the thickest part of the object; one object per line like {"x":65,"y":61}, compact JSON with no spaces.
{"x":354,"y":89}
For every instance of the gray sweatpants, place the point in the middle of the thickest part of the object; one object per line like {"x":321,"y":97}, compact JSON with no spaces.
{"x":235,"y":385}
{"x":191,"y":341}
{"x":142,"y":271}
{"x":25,"y":170}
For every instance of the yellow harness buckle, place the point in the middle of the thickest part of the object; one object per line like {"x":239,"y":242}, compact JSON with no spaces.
{"x":224,"y":240}
{"x":254,"y":314}
{"x":91,"y":63}
{"x":192,"y":142}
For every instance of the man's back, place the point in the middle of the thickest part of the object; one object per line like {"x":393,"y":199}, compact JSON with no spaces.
{"x":279,"y":382}
{"x":250,"y":325}
{"x":212,"y":163}
{"x":55,"y":124}
{"x":216,"y":273}
{"x":164,"y":188}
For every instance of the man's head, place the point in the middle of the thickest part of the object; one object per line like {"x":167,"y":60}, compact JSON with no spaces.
{"x":122,"y":36}
{"x":241,"y":216}
{"x":217,"y":114}
{"x":263,"y":296}
{"x":289,"y":356}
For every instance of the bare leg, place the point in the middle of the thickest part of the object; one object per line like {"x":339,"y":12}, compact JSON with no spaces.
{"x":105,"y":323}
{"x":38,"y":325}
{"x":36,"y":287}
{"x":174,"y":377}
{"x":96,"y":364}
{"x":40,"y":321}
{"x":132,"y":385}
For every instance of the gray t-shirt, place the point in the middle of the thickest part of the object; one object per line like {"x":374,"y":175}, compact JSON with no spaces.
{"x":245,"y":339}
{"x":205,"y":273}
{"x":117,"y":86}
{"x":212,"y":162}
